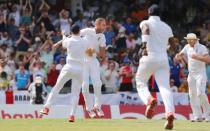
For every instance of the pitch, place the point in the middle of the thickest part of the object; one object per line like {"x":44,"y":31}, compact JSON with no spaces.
{"x":97,"y":125}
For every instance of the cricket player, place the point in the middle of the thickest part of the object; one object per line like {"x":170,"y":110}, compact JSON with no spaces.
{"x":156,"y":34}
{"x":97,"y":42}
{"x":197,"y":77}
{"x":76,"y":48}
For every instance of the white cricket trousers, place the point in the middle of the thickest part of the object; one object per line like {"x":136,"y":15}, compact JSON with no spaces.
{"x":198,"y":97}
{"x":92,"y":70}
{"x":149,"y":65}
{"x":69,"y":71}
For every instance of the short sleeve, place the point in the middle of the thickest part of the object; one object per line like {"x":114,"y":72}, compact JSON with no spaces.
{"x":205,"y":51}
{"x":84,"y":32}
{"x":102,"y":41}
{"x":184,"y":51}
{"x":142,"y":23}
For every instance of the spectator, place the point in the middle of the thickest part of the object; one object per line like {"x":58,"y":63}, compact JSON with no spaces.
{"x":173,"y":87}
{"x":111,"y":78}
{"x":60,"y":55}
{"x":13,"y":30}
{"x":15,"y":14}
{"x":44,"y":6}
{"x":121,"y":39}
{"x":12,"y":63}
{"x":126,"y":75}
{"x":26,"y":12}
{"x":28,"y":57}
{"x":4,"y":51}
{"x":22,"y":77}
{"x":4,"y":82}
{"x":5,"y":39}
{"x":175,"y":72}
{"x":129,"y":26}
{"x":24,"y":40}
{"x":130,"y":42}
{"x":109,"y":52}
{"x":37,"y":69}
{"x":5,"y":68}
{"x":65,"y":21}
{"x":61,"y":63}
{"x":37,"y":43}
{"x":109,"y":35}
{"x":184,"y":86}
{"x":37,"y":90}
{"x":45,"y":21}
{"x":47,"y":52}
{"x":52,"y":75}
{"x":80,"y":22}
{"x":2,"y":22}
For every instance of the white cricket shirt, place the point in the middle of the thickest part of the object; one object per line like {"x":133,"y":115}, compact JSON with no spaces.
{"x":159,"y":35}
{"x":75,"y":49}
{"x":93,"y":40}
{"x":195,"y":66}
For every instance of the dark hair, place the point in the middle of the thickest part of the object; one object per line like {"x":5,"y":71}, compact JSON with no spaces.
{"x":154,"y":10}
{"x":75,"y":29}
{"x":4,"y":75}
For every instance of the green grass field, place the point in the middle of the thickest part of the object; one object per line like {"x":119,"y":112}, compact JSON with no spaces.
{"x":98,"y":125}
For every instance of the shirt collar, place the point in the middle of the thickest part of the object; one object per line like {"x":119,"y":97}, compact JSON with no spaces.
{"x":154,"y":18}
{"x":76,"y":36}
{"x":196,"y":45}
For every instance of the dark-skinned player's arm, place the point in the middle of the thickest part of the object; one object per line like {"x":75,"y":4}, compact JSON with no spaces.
{"x":145,"y":36}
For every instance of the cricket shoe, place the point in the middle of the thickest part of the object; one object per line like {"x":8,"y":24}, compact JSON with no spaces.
{"x":150,"y":108}
{"x":71,"y":118}
{"x":197,"y":119}
{"x":169,"y":123}
{"x":91,"y":114}
{"x":207,"y":119}
{"x":99,"y":112}
{"x":44,"y":111}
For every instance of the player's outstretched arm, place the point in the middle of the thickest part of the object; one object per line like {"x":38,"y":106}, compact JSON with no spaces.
{"x":203,"y":58}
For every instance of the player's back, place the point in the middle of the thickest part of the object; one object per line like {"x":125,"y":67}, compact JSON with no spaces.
{"x":159,"y":36}
{"x":75,"y":49}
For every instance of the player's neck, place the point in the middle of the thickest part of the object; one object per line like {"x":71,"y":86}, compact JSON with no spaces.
{"x":97,"y":30}
{"x":76,"y":34}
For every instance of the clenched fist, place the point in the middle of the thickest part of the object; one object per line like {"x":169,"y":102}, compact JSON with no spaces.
{"x":90,"y":52}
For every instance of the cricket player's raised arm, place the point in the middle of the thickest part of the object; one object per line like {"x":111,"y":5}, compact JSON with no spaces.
{"x":62,"y":42}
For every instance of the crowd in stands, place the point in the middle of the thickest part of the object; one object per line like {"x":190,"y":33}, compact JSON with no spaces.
{"x":29,"y":28}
